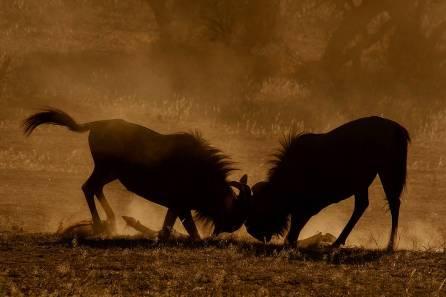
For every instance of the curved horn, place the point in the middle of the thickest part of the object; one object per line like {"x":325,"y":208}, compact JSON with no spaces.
{"x":236,"y":185}
{"x":240,"y":185}
{"x":244,"y":179}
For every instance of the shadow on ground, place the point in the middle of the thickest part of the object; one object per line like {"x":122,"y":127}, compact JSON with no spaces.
{"x":352,"y":256}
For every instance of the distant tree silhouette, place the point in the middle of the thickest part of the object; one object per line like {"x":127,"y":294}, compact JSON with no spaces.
{"x":412,"y":46}
{"x":240,"y":27}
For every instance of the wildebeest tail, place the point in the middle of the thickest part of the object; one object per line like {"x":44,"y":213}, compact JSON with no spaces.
{"x":52,"y":116}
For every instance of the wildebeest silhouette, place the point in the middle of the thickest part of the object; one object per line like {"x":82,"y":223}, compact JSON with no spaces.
{"x":179,"y":171}
{"x":312,"y":171}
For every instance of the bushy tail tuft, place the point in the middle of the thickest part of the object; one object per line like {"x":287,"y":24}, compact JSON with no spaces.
{"x":52,"y":116}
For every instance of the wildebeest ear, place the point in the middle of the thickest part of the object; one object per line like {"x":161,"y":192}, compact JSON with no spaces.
{"x":244,"y":179}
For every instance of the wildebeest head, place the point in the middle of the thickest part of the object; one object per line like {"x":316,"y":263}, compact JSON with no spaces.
{"x":236,"y":209}
{"x":264,"y":220}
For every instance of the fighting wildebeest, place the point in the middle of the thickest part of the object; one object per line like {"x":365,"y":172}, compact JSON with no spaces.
{"x":179,"y":171}
{"x":312,"y":171}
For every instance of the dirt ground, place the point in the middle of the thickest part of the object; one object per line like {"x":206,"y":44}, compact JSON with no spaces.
{"x":44,"y":265}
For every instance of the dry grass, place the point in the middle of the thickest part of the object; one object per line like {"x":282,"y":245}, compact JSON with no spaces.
{"x":43,"y":265}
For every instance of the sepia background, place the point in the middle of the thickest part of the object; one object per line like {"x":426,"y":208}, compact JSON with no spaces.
{"x":244,"y":73}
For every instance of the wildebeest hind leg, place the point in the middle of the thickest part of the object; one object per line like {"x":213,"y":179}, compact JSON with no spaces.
{"x":111,"y":220}
{"x":361,"y":204}
{"x":393,"y":183}
{"x":169,"y":221}
{"x":93,"y":186}
{"x":189,"y":225}
{"x":88,"y":190}
{"x":394,"y":210}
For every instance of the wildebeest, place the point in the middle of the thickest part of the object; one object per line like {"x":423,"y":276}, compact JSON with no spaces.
{"x":179,"y":171}
{"x":312,"y":171}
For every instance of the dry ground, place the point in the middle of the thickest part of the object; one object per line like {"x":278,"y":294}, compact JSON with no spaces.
{"x":43,"y":265}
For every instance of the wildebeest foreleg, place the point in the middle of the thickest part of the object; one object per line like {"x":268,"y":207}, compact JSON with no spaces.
{"x":298,"y":221}
{"x":189,"y":225}
{"x":169,"y":221}
{"x":361,"y":204}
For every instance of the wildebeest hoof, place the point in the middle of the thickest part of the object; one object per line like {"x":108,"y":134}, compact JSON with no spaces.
{"x":390,"y":249}
{"x":336,"y":245}
{"x":109,"y":227}
{"x":292,"y":245}
{"x":195,"y":238}
{"x":164,"y":235}
{"x":104,"y":228}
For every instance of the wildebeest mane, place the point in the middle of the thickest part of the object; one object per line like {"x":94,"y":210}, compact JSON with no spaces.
{"x":281,"y":158}
{"x":216,"y":168}
{"x":279,"y":216}
{"x":219,"y":162}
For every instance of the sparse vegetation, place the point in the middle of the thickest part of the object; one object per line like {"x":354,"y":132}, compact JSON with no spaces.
{"x":132,"y":267}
